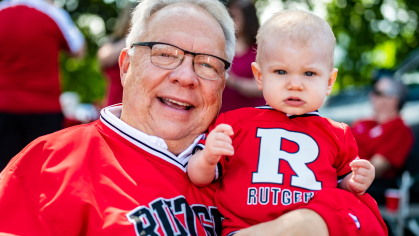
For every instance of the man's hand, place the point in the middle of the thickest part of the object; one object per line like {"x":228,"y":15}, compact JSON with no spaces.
{"x":363,"y":174}
{"x":295,"y":223}
{"x":218,"y":143}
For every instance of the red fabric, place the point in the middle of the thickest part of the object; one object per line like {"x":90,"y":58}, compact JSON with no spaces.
{"x":393,"y":140}
{"x":87,"y":180}
{"x":348,"y":215}
{"x":115,"y":86}
{"x":29,"y":45}
{"x":319,"y":150}
{"x":241,"y":67}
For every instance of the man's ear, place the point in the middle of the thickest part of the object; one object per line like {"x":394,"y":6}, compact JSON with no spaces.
{"x":331,"y":80}
{"x":258,"y":74}
{"x":124,"y":61}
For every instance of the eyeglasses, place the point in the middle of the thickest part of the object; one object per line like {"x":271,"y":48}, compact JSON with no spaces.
{"x":379,"y":93}
{"x":169,"y":57}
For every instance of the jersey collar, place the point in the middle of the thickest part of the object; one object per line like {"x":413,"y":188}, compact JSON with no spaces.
{"x":312,"y":113}
{"x":110,"y":116}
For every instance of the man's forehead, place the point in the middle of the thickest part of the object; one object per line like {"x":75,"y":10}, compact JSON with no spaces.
{"x":186,"y":23}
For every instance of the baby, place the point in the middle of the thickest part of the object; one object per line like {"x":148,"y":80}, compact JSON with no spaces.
{"x":280,"y":154}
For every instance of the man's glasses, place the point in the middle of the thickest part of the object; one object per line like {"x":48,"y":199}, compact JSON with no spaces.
{"x":169,"y":57}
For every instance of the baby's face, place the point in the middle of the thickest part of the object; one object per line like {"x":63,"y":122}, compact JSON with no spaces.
{"x":295,"y":77}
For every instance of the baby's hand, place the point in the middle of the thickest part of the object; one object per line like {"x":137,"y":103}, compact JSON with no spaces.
{"x":218,"y":144}
{"x":363,"y":173}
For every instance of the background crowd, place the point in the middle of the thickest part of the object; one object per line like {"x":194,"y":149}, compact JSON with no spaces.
{"x":371,"y":35}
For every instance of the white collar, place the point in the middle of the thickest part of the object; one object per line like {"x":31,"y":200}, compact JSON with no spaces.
{"x":312,"y":113}
{"x":110,"y":116}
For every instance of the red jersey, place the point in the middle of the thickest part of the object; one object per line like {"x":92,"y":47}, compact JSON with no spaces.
{"x":279,"y":163}
{"x":103,"y":178}
{"x":393,"y":140}
{"x":32,"y":34}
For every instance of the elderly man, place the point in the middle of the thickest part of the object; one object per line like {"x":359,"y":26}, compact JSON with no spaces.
{"x":125,"y":174}
{"x":384,"y":140}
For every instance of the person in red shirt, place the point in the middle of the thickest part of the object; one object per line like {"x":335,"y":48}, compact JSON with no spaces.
{"x":241,"y":89}
{"x":273,"y":159}
{"x":33,"y":32}
{"x":384,"y":140}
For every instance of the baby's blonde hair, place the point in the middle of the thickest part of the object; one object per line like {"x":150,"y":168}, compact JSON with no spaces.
{"x":297,"y":26}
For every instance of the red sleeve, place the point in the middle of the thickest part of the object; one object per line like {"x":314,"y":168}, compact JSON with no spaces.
{"x":348,"y":151}
{"x":20,"y":212}
{"x":347,"y":214}
{"x":397,"y":147}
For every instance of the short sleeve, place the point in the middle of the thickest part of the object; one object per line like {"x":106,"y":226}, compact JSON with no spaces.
{"x":348,"y":151}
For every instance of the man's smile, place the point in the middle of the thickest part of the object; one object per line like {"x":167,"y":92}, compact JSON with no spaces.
{"x":175,"y":104}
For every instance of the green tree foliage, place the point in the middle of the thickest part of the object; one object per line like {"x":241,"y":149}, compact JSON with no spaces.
{"x":96,"y":19}
{"x":373,"y":34}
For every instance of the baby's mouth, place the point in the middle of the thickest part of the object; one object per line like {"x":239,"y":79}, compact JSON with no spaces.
{"x":175,"y":104}
{"x":294,"y":101}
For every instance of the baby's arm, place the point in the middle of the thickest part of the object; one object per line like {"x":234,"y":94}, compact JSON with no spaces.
{"x":201,"y":166}
{"x":363,"y":174}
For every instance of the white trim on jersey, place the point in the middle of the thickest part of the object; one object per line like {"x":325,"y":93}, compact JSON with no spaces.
{"x":232,"y":233}
{"x":152,"y":144}
{"x":314,"y":113}
{"x":72,"y":34}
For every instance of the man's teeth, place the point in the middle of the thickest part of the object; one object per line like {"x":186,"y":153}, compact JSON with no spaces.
{"x":177,"y":102}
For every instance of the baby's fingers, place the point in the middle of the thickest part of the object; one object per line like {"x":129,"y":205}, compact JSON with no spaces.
{"x":360,"y":163}
{"x":224,"y":128}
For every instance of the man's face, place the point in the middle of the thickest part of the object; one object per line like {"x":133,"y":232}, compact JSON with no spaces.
{"x":295,"y":77}
{"x":383,"y":98}
{"x":175,"y":105}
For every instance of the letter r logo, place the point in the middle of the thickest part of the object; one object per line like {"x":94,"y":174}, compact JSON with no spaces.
{"x":270,"y":154}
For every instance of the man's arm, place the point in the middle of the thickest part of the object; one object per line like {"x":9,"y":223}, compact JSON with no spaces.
{"x":79,"y":53}
{"x":331,"y":211}
{"x":295,"y":223}
{"x":380,"y":163}
{"x":19,"y":214}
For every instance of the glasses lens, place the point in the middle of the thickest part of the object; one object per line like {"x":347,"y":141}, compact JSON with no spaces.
{"x":208,"y":67}
{"x":378,"y":93}
{"x":166,"y":56}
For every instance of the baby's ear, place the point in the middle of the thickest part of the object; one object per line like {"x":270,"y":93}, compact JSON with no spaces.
{"x":258,"y":74}
{"x":331,"y":80}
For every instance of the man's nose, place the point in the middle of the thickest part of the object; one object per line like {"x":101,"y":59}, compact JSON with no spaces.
{"x":184,"y":74}
{"x":295,"y":83}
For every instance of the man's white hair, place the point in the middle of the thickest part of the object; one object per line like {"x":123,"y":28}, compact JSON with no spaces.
{"x":146,"y":8}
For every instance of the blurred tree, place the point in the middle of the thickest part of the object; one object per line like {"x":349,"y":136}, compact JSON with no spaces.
{"x":373,"y":34}
{"x":96,"y":19}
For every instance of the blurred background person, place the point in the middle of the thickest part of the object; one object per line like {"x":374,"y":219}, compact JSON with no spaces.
{"x":32,"y":34}
{"x":108,"y":56}
{"x":384,"y":139}
{"x":241,"y":89}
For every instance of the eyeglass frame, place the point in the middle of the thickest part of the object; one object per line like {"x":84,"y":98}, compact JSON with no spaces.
{"x":151,"y":44}
{"x":374,"y":91}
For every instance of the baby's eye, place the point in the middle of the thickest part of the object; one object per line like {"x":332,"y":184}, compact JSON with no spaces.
{"x":281,"y":72}
{"x":309,"y":73}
